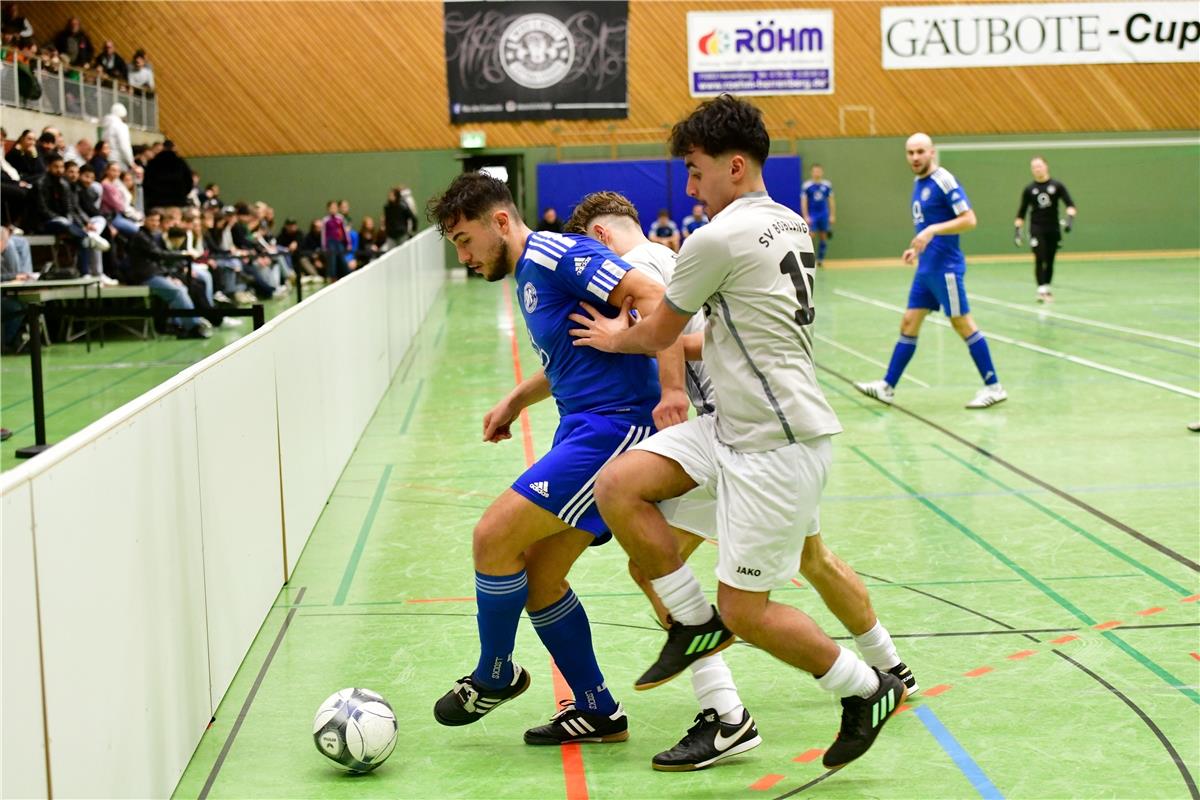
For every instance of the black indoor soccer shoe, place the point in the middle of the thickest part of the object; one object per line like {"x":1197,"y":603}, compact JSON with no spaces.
{"x":906,"y":677}
{"x":570,"y":726}
{"x":708,"y":741}
{"x":862,"y":720}
{"x":468,"y":702}
{"x":685,"y":645}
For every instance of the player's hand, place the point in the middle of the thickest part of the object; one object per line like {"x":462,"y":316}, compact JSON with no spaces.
{"x":829,"y":233}
{"x":910,"y":255}
{"x":672,"y":409}
{"x":497,"y":423}
{"x":1067,"y":223}
{"x":921,"y":241}
{"x":599,"y":331}
{"x":1017,"y":235}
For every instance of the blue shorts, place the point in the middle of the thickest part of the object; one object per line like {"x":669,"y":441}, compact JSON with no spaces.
{"x":562,"y":481}
{"x":944,"y":290}
{"x":820,"y":223}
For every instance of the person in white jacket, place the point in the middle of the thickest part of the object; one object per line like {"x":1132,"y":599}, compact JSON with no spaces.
{"x":116,"y":133}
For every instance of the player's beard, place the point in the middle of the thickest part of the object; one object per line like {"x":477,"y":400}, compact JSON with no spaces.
{"x":496,"y":267}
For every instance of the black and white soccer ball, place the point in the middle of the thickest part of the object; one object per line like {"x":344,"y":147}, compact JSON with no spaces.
{"x":355,"y":729}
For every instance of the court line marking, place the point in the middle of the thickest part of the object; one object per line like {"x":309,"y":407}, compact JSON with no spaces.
{"x":1041,"y":312}
{"x":958,"y":754}
{"x":412,"y":407}
{"x":574,"y":774}
{"x":1071,"y":525}
{"x":1070,"y":144}
{"x":1033,"y":580}
{"x":867,"y":358}
{"x":48,"y":389}
{"x":894,"y":262}
{"x":363,"y":532}
{"x":241,"y":717}
{"x":1036,"y":348}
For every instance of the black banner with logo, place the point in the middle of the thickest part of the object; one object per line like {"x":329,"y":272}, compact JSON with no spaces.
{"x":536,"y":60}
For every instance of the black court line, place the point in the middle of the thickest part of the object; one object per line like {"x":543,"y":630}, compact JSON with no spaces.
{"x":241,"y":717}
{"x":1070,"y":498}
{"x":808,"y":785}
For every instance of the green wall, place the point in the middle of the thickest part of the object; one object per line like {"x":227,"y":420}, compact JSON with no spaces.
{"x":1129,"y":198}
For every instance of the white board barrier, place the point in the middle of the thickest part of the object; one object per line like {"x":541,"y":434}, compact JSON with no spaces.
{"x":142,"y":554}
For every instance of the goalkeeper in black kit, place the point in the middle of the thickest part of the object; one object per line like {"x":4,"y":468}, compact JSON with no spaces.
{"x":1043,"y":197}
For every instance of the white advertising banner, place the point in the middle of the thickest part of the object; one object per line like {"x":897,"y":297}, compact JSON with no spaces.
{"x":1019,"y":35}
{"x":760,"y":52}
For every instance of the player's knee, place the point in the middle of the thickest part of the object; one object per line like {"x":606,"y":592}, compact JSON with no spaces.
{"x":608,"y":491}
{"x":816,"y":561}
{"x":487,"y":539}
{"x":741,"y":611}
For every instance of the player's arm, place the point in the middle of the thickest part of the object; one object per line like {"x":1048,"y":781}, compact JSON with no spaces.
{"x":964,"y":222}
{"x":804,"y":205}
{"x":1070,"y":204}
{"x":693,"y":345}
{"x":832,"y":208}
{"x":498,"y":421}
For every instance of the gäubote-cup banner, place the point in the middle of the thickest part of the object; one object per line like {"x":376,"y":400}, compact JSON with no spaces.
{"x":1033,"y":34}
{"x":536,"y":60}
{"x":760,"y":52}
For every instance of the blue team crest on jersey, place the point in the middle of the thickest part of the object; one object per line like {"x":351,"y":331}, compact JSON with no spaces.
{"x":925,"y":193}
{"x":529,"y":294}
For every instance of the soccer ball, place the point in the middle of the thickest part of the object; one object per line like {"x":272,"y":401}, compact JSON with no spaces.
{"x":355,"y":729}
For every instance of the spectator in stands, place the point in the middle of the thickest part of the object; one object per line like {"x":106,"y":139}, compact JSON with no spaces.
{"x":14,"y":191}
{"x":148,"y":265}
{"x":13,"y":22}
{"x":101,"y":156}
{"x":116,"y":202}
{"x":310,"y":260}
{"x":134,"y":184}
{"x":366,"y":249}
{"x":664,"y":230}
{"x":212,"y":196}
{"x":267,"y":275}
{"x":16,"y":264}
{"x":399,"y":221}
{"x":48,"y":145}
{"x":56,"y":211}
{"x":94,"y":224}
{"x":264,"y":237}
{"x":155,"y":149}
{"x":550,"y":221}
{"x":697,"y":219}
{"x":344,"y":210}
{"x":335,"y":238}
{"x":25,"y":159}
{"x":81,"y":153}
{"x":74,"y":43}
{"x":110,"y":64}
{"x":168,"y":178}
{"x":141,"y":155}
{"x":195,"y":197}
{"x":141,"y":74}
{"x":115,"y":131}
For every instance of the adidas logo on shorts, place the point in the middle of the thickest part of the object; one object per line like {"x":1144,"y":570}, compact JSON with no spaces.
{"x":541,"y":487}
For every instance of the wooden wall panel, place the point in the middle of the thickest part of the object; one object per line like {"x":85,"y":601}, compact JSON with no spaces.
{"x":305,"y":77}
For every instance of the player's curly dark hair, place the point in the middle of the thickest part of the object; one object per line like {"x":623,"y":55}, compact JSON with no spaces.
{"x":722,"y":125}
{"x":600,"y":204}
{"x":469,"y":196}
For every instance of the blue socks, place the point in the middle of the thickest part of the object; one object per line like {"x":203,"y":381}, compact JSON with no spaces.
{"x":821,"y":244}
{"x":501,"y":599}
{"x":564,"y":630}
{"x":901,"y":355}
{"x":978,"y":347}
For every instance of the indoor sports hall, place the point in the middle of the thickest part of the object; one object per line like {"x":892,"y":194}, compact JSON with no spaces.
{"x":242,"y":403}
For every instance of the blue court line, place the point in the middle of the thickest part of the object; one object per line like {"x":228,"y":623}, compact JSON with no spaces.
{"x":361,"y":543}
{"x":412,"y":406}
{"x":962,"y":759}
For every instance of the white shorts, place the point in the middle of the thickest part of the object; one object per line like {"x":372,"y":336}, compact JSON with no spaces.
{"x":761,"y":506}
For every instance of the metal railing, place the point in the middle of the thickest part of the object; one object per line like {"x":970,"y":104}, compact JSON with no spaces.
{"x":84,"y":95}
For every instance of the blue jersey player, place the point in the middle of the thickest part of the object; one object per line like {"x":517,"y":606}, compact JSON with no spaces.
{"x":819,"y":209}
{"x":527,"y":540}
{"x":940,"y":211}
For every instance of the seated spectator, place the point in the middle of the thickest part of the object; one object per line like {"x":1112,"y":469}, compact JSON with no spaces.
{"x":25,"y":158}
{"x":48,"y":144}
{"x":194,"y":197}
{"x":82,"y":183}
{"x":141,"y":155}
{"x":310,"y":256}
{"x":74,"y":44}
{"x":14,"y":191}
{"x":141,"y":74}
{"x":550,"y":221}
{"x":115,"y":131}
{"x":13,"y":22}
{"x":116,"y":203}
{"x":81,"y":153}
{"x":168,"y":178}
{"x":366,"y":249}
{"x":109,"y":63}
{"x":101,"y":155}
{"x":56,"y":211}
{"x":692,"y":222}
{"x":149,"y":265}
{"x":399,"y":220}
{"x":212,"y":196}
{"x":16,"y":264}
{"x":133,"y":182}
{"x":265,"y":272}
{"x":264,"y":237}
{"x":664,"y":230}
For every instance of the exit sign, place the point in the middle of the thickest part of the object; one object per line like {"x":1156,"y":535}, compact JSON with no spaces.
{"x":473,"y":140}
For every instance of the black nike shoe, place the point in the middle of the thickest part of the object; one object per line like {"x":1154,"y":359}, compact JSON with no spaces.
{"x":685,"y":644}
{"x":571,"y":725}
{"x":863,"y":719}
{"x":468,"y":702}
{"x":906,"y":677}
{"x":708,"y":741}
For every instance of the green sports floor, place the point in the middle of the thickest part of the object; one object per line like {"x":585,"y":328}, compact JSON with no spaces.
{"x":1036,"y":561}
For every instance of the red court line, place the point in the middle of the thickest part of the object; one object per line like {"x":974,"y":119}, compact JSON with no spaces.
{"x":936,"y":690}
{"x":1017,"y":656}
{"x":572,"y":757}
{"x":975,"y":673}
{"x":1145,"y":612}
{"x":1070,"y":637}
{"x":1191,"y":599}
{"x":1103,"y":626}
{"x":798,"y":583}
{"x":440,"y":600}
{"x":766,"y":782}
{"x":1196,"y":656}
{"x":900,"y":709}
{"x":809,"y":755}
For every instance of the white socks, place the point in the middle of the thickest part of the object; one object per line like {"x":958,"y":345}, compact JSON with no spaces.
{"x":849,"y":676}
{"x":877,"y":648}
{"x":713,"y":683}
{"x":681,"y":594}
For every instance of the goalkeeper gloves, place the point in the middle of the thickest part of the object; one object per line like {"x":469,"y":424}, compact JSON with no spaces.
{"x":1017,"y":235}
{"x":1070,"y":220}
